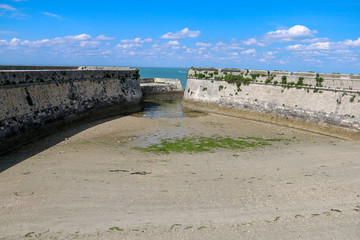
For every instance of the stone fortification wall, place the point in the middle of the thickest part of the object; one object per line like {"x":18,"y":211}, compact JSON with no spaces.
{"x":102,"y":68}
{"x":307,"y":101}
{"x":31,"y":100}
{"x":26,"y":67}
{"x":19,"y":67}
{"x":312,"y":79}
{"x":161,"y":88}
{"x":13,"y":77}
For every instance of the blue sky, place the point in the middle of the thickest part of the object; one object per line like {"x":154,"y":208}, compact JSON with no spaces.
{"x":322,"y":36}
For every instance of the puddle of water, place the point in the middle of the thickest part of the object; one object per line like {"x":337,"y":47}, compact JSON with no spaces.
{"x":166,"y":108}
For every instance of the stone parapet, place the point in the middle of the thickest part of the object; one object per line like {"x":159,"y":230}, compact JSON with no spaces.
{"x":331,"y":105}
{"x":161,"y":88}
{"x":32,"y":100}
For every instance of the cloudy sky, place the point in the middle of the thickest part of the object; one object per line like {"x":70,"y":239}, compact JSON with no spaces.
{"x":322,"y":36}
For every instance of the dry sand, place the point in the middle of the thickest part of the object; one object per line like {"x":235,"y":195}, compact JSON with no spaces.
{"x":80,"y":184}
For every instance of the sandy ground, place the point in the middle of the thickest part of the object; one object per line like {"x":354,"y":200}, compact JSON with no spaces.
{"x":80,"y":184}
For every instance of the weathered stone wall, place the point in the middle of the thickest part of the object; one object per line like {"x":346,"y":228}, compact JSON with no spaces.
{"x":19,"y":67}
{"x":161,"y":88}
{"x":329,"y":104}
{"x":26,"y":67}
{"x":12,"y":77}
{"x":33,"y":99}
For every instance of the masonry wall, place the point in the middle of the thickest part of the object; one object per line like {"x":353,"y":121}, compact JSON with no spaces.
{"x":161,"y":88}
{"x":25,"y":67}
{"x":326,"y":104}
{"x":31,"y":100}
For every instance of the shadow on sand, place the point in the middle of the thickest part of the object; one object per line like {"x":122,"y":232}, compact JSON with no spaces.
{"x":50,"y":136}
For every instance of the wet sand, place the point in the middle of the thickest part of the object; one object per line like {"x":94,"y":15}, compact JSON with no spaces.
{"x":92,"y":184}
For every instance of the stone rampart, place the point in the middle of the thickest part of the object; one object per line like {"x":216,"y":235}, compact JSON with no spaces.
{"x":281,"y":73}
{"x":331,"y":105}
{"x":20,"y":67}
{"x":161,"y":88}
{"x":305,"y":74}
{"x":32,"y":101}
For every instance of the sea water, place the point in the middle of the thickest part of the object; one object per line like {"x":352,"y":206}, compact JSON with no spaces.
{"x":165,"y":108}
{"x":155,"y":72}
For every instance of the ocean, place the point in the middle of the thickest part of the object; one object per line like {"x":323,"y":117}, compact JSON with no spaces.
{"x":153,"y":72}
{"x":170,"y":108}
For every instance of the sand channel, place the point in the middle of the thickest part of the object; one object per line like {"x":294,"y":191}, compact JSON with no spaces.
{"x":89,"y":182}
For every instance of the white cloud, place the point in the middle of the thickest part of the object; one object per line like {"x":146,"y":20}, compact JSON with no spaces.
{"x":313,"y":46}
{"x":102,"y":37}
{"x":313,"y":40}
{"x":6,"y":7}
{"x":319,"y":46}
{"x":268,"y":55}
{"x":90,"y":44}
{"x":189,"y":50}
{"x":296,"y":33}
{"x":107,"y":52}
{"x":312,"y":53}
{"x":130,"y":45}
{"x":296,"y":47}
{"x":148,"y":40}
{"x":52,"y":15}
{"x":185,"y":33}
{"x":10,"y":11}
{"x":253,"y":41}
{"x":136,"y":40}
{"x":81,"y":37}
{"x":38,"y":43}
{"x":201,"y":44}
{"x":250,"y":41}
{"x":173,"y":43}
{"x":352,"y":43}
{"x":325,"y":46}
{"x":313,"y":60}
{"x":348,"y":59}
{"x":82,"y":40}
{"x":3,"y":42}
{"x":340,"y":51}
{"x":233,"y":47}
{"x":343,"y":51}
{"x":7,"y":32}
{"x":249,"y":51}
{"x":82,"y":46}
{"x":14,"y":43}
{"x":220,"y":46}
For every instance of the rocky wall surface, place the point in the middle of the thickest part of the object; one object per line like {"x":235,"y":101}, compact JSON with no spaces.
{"x":315,"y":102}
{"x":161,"y":88}
{"x":30,"y":100}
{"x":12,"y":77}
{"x":26,"y":67}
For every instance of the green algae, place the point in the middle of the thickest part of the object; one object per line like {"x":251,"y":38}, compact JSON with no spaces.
{"x":207,"y":144}
{"x":116,"y":228}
